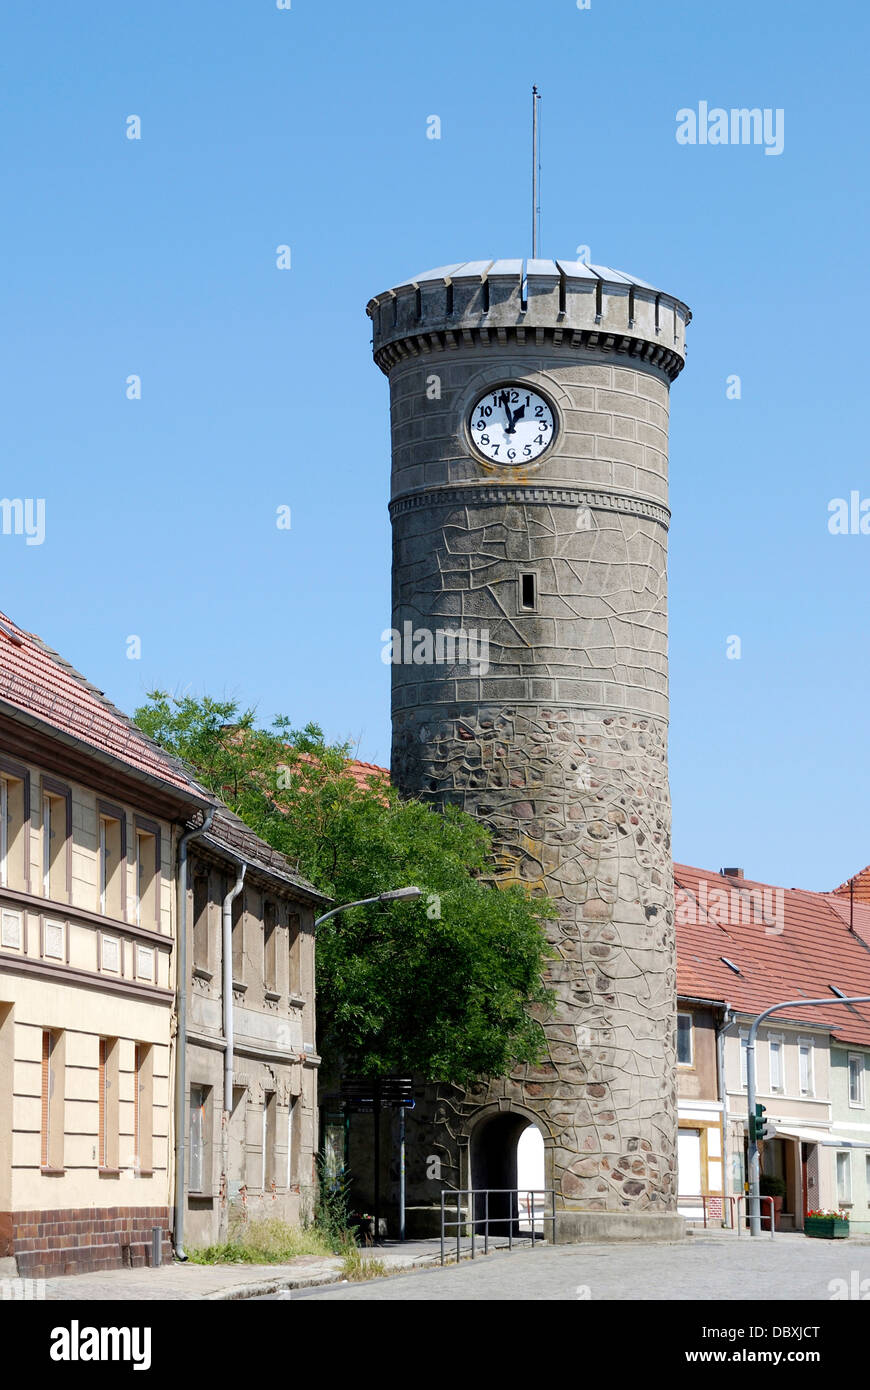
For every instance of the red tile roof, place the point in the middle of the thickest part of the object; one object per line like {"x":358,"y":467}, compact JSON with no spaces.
{"x":862,"y":886}
{"x":802,"y":949}
{"x":361,"y":772}
{"x":37,"y":683}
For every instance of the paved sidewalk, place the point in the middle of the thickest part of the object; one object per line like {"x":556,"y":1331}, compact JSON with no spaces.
{"x":192,"y":1281}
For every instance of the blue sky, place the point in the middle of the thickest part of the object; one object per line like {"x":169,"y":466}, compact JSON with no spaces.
{"x":307,"y":127}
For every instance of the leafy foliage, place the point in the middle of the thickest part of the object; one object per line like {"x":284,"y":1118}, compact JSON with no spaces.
{"x":448,"y":986}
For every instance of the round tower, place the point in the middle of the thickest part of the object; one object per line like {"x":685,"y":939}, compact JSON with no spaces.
{"x":530,"y":686}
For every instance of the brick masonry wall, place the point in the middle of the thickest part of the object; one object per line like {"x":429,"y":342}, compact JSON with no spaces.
{"x":82,"y":1240}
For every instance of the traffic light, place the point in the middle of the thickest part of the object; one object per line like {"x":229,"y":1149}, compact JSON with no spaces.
{"x":759,"y":1126}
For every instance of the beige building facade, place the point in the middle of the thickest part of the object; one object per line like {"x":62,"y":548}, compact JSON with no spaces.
{"x":97,"y":1104}
{"x":251,"y":1144}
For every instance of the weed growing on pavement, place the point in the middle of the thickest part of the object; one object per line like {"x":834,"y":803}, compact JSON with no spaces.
{"x":266,"y":1242}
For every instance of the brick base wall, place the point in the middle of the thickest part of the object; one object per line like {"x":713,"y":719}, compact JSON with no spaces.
{"x":81,"y":1240}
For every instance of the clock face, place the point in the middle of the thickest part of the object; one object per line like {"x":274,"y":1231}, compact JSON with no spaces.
{"x":512,"y":425}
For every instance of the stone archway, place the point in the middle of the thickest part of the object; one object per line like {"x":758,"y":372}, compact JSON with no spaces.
{"x":495,"y":1162}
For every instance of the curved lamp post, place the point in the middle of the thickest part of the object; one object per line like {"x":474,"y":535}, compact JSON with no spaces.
{"x":391,"y":896}
{"x":751,"y":1093}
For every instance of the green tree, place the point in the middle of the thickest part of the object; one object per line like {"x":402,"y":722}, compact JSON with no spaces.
{"x":448,"y":986}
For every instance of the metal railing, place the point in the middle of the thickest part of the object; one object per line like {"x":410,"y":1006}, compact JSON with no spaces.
{"x":717,"y":1199}
{"x":492,"y":1221}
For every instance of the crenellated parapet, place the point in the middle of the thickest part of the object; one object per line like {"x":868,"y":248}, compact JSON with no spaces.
{"x":534,"y":302}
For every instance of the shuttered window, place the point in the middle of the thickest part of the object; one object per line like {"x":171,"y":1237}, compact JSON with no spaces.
{"x":102,"y":1105}
{"x":47,"y":1043}
{"x":52,"y":1108}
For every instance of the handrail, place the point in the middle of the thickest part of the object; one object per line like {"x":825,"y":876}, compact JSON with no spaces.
{"x":472,"y":1221}
{"x":705,"y":1197}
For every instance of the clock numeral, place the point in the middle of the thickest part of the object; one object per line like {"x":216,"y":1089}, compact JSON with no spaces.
{"x":539,"y":410}
{"x":495,"y":449}
{"x":512,"y":453}
{"x":527,"y":451}
{"x":539,"y":439}
{"x":484,"y":439}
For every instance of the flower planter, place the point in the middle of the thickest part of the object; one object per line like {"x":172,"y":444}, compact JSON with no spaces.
{"x":826,"y":1227}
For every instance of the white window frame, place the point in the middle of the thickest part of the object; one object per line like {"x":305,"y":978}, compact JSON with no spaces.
{"x":102,"y":853}
{"x":776,"y":1040}
{"x":810,"y":1089}
{"x":201,"y":1151}
{"x":46,"y":845}
{"x":265,"y":1129}
{"x":4,"y":830}
{"x":683,"y":1013}
{"x":859,"y":1058}
{"x":744,"y":1059}
{"x":844,"y":1153}
{"x":290,"y":1109}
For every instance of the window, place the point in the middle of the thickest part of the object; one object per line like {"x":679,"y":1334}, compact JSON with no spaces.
{"x":295,"y":952}
{"x":867,"y":1177}
{"x":856,"y":1080}
{"x":56,"y":832}
{"x":53,"y":1073}
{"x":200,"y":1174}
{"x":270,"y":946}
{"x":528,"y":593}
{"x":776,"y":1072}
{"x":685,"y":1056}
{"x":14,"y":825}
{"x":805,"y":1067}
{"x":143,"y":1108}
{"x":108,"y":1119}
{"x":201,"y":952}
{"x":113,"y":861}
{"x":147,"y":874}
{"x":197,"y":1137}
{"x":744,"y":1060}
{"x":291,"y":1147}
{"x":270,"y":1135}
{"x":239,"y":937}
{"x":844,"y":1177}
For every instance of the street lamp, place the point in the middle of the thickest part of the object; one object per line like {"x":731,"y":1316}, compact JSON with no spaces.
{"x":754,"y":1173}
{"x":391,"y":896}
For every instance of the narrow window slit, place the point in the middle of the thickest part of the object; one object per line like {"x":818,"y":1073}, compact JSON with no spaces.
{"x":528,"y":596}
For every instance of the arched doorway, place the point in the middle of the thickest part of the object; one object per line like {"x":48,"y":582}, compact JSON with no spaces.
{"x":507,"y":1154}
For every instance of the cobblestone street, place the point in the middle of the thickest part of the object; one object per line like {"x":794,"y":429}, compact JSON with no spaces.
{"x":703,"y":1267}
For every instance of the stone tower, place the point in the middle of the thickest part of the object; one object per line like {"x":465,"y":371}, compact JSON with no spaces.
{"x":530,"y":523}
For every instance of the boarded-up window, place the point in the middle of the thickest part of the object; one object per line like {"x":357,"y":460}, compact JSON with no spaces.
{"x":200,"y":921}
{"x":295,"y":948}
{"x":239,"y":937}
{"x":270,"y":945}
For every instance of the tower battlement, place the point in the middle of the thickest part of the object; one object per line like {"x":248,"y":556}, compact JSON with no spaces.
{"x":536,"y":302}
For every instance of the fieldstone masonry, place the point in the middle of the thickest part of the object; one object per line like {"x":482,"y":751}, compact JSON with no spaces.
{"x":558,"y":743}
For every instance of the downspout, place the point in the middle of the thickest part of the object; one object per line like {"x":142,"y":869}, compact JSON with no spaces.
{"x":181,"y":1031}
{"x":229,"y":1037}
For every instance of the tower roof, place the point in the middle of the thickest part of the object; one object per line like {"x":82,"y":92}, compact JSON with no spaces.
{"x":567,"y":303}
{"x":521,"y":269}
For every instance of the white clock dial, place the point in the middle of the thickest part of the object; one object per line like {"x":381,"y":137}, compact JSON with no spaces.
{"x":512,"y":425}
